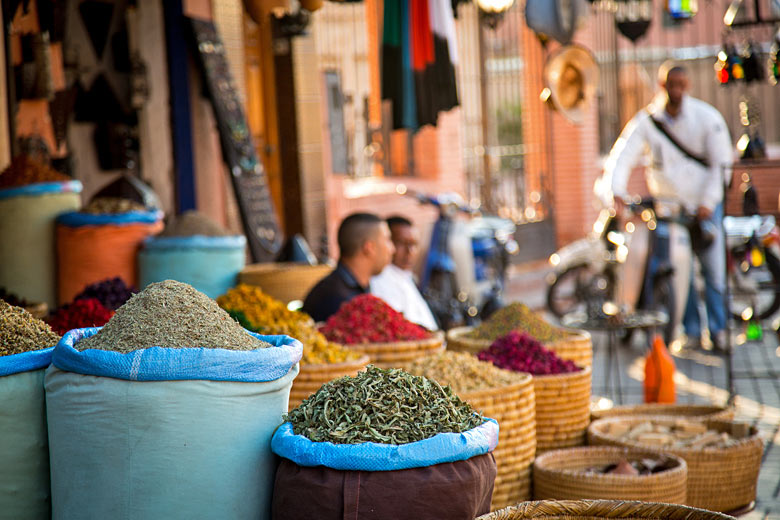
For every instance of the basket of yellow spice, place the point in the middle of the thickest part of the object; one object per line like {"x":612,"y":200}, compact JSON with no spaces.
{"x":322,"y":360}
{"x":507,"y":397}
{"x":572,"y":345}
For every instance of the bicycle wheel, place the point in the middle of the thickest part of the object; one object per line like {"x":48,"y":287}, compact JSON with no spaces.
{"x":754,"y":290}
{"x":573,"y":288}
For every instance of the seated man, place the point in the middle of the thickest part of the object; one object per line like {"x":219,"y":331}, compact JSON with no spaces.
{"x":364,"y":250}
{"x":396,"y":284}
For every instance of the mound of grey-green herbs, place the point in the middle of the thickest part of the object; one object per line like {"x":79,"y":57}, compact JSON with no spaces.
{"x":171,"y":314}
{"x":384,"y":406}
{"x":21,"y":332}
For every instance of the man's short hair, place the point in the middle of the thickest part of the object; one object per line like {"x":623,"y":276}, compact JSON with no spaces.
{"x":354,"y":231}
{"x":397,"y":220}
{"x":670,"y":67}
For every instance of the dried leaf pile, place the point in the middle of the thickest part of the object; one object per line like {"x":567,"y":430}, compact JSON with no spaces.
{"x":463,"y":372}
{"x":20,"y":332}
{"x":171,"y":314}
{"x":383,"y":406}
{"x":517,"y":317}
{"x":676,"y":434}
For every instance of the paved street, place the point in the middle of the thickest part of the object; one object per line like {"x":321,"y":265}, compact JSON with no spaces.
{"x":700,"y":379}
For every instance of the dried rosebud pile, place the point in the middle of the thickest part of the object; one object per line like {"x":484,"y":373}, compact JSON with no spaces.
{"x":112,"y":292}
{"x":368,"y":319}
{"x":520,"y":352}
{"x":79,"y":314}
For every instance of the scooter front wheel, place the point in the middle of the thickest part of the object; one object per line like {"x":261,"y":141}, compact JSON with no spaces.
{"x":571,"y":290}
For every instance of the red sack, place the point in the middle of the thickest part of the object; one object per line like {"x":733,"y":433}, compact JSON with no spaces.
{"x":452,"y":490}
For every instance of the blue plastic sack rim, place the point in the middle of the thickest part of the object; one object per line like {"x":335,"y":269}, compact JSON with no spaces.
{"x":76,"y":219}
{"x":42,"y":188}
{"x":176,"y":364}
{"x":372,"y":456}
{"x":195,"y":242}
{"x":25,"y":361}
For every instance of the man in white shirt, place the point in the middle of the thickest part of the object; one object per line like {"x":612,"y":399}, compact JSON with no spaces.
{"x":396,"y":284}
{"x":690,"y":156}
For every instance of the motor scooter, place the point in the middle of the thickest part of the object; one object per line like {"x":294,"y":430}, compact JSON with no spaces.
{"x":628,"y":262}
{"x":465,"y":267}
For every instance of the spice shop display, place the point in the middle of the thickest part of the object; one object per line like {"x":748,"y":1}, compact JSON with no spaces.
{"x":86,"y":312}
{"x":572,"y":345}
{"x":405,"y":445}
{"x":368,"y":325}
{"x":93,"y":247}
{"x":32,"y":195}
{"x":171,"y":400}
{"x":723,"y":457}
{"x":195,"y":250}
{"x":322,"y":360}
{"x":507,"y":397}
{"x":605,"y":472}
{"x":25,"y":351}
{"x":561,"y":389}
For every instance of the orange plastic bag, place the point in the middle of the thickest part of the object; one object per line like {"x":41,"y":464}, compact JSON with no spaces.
{"x":659,"y":374}
{"x":88,"y":254}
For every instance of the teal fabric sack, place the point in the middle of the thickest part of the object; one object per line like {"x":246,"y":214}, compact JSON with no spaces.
{"x":24,"y":448}
{"x":174,"y":449}
{"x":210,"y":264}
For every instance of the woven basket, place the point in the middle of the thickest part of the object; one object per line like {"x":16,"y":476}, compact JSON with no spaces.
{"x":284,"y":281}
{"x":719,"y":479}
{"x":514,"y":409}
{"x":562,"y":409}
{"x":683,"y":410}
{"x":577,"y":347}
{"x":395,"y":355}
{"x":561,"y":475}
{"x":313,"y":376}
{"x":593,"y":509}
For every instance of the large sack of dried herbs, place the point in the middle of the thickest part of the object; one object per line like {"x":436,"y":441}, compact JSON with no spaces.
{"x":384,"y":444}
{"x":25,"y":351}
{"x":166,"y":412}
{"x":195,"y":250}
{"x":101,"y":241}
{"x":31,"y":197}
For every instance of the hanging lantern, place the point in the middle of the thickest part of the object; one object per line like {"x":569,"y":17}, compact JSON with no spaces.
{"x":632,"y":17}
{"x":682,"y":9}
{"x":491,"y":12}
{"x":729,"y":68}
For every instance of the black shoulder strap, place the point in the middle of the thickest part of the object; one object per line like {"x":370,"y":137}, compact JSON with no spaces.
{"x":662,"y":128}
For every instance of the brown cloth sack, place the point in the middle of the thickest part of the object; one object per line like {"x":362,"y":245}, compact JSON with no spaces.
{"x":452,"y":490}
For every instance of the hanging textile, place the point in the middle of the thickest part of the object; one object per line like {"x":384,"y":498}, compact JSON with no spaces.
{"x":392,"y":62}
{"x":423,"y":62}
{"x":446,"y":57}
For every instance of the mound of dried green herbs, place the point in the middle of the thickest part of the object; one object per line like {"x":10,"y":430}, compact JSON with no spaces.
{"x":20,"y":332}
{"x":518,"y":317}
{"x":384,"y":406}
{"x":171,"y":314}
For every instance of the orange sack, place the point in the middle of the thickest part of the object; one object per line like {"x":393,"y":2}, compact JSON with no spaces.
{"x":93,"y":252}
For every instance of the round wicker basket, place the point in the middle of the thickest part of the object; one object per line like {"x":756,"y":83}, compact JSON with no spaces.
{"x":593,"y":509}
{"x":719,"y":479}
{"x":396,"y":354}
{"x":561,"y":475}
{"x":682,"y":410}
{"x":312,"y":376}
{"x":577,"y":347}
{"x":514,"y":408}
{"x":284,"y":281}
{"x":562,"y":409}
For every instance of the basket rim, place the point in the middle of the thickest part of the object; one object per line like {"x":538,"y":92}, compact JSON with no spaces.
{"x":270,"y":267}
{"x":363,"y":360}
{"x":458,"y":333}
{"x":607,"y":451}
{"x":606,"y":509}
{"x":645,"y":409}
{"x":586,"y":370}
{"x":437,"y":336}
{"x":753,"y":436}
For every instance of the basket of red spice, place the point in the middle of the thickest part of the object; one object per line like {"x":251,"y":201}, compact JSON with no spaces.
{"x":561,"y":388}
{"x":572,"y":345}
{"x":369,"y":325}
